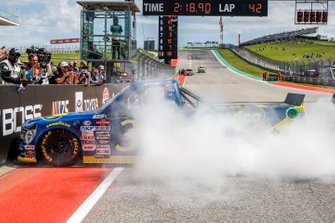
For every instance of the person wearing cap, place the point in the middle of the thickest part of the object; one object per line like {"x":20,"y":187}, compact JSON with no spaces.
{"x":10,"y":70}
{"x":84,"y":77}
{"x":96,"y":77}
{"x":62,"y":75}
{"x":102,"y":72}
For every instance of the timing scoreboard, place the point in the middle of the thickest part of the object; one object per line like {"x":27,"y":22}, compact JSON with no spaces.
{"x":205,"y":7}
{"x":168,"y":37}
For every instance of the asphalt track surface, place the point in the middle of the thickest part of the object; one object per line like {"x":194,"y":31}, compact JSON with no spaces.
{"x":54,"y":194}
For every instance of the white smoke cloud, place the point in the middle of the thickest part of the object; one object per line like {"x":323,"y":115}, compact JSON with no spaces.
{"x":194,"y":155}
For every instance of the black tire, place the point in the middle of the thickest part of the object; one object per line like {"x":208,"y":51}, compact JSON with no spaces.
{"x":60,"y":148}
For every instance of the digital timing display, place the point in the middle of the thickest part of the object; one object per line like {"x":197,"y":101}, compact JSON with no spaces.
{"x":168,"y":41}
{"x":206,"y":7}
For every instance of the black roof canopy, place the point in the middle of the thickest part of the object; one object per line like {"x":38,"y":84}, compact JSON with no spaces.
{"x":109,"y":6}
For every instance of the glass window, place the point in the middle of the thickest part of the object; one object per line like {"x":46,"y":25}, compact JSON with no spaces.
{"x":134,"y":99}
{"x":99,"y":23}
{"x":107,"y":35}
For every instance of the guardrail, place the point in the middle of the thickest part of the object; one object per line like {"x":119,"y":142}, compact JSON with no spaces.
{"x":303,"y":72}
{"x":149,"y":68}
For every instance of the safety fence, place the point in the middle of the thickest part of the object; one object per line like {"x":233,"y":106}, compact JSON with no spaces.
{"x":149,"y":68}
{"x":42,"y":100}
{"x":320,"y":72}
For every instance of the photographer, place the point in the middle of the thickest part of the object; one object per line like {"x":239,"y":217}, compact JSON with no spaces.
{"x":62,"y":75}
{"x":10,"y":71}
{"x":33,"y":70}
{"x":96,"y":77}
{"x":38,"y":67}
{"x":85,"y":77}
{"x":75,"y":76}
{"x":102,"y":72}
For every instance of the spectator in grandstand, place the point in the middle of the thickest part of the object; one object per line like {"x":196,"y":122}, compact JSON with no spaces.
{"x":62,"y":75}
{"x":96,"y":77}
{"x":10,"y":71}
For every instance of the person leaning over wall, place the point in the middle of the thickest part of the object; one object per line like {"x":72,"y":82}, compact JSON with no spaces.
{"x":11,"y":72}
{"x":62,"y":75}
{"x":85,"y":77}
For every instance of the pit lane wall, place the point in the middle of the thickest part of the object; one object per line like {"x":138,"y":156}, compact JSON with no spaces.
{"x":39,"y":100}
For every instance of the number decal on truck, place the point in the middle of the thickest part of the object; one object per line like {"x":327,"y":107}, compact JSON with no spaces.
{"x":132,"y":144}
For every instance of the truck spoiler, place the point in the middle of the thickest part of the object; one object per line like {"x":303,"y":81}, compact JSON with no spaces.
{"x":294,"y":99}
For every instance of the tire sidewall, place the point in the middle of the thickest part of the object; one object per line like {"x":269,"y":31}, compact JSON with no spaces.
{"x":71,"y":156}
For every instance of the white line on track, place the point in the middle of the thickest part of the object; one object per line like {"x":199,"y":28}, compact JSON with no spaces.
{"x":221,"y":62}
{"x":83,"y":210}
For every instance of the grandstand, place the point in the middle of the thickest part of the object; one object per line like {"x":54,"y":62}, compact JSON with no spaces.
{"x":202,"y":44}
{"x":8,"y":19}
{"x":301,"y":33}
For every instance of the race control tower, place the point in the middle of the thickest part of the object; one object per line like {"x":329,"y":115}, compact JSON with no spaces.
{"x":108,"y":34}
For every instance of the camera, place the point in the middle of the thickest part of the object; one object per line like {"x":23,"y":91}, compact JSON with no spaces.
{"x":21,"y":88}
{"x":44,"y":57}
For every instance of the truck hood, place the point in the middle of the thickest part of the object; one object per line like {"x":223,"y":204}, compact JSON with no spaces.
{"x":67,"y":117}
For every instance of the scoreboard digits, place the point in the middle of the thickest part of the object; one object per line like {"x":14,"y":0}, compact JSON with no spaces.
{"x":206,"y":7}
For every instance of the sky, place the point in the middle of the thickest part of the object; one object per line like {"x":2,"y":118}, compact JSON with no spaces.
{"x":41,"y":21}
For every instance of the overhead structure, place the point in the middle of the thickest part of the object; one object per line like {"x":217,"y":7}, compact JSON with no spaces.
{"x":311,"y":12}
{"x":8,"y":19}
{"x":108,"y":33}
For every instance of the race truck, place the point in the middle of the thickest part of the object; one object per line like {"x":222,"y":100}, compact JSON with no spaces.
{"x":202,"y":69}
{"x":102,"y":136}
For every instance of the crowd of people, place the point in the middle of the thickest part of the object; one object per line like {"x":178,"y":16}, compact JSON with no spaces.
{"x":37,"y":71}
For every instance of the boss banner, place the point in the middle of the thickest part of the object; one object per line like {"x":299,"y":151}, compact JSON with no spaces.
{"x":37,"y":101}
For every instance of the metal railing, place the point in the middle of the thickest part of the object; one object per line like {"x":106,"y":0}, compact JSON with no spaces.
{"x":319,"y":71}
{"x":151,"y":68}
